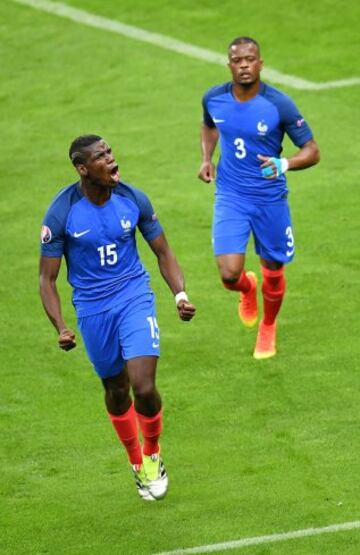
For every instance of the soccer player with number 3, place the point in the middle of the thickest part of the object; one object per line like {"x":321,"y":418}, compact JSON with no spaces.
{"x":92,"y":223}
{"x":251,"y":118}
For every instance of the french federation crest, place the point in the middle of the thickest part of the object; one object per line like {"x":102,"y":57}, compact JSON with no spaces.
{"x":46,"y":234}
{"x":125,"y":224}
{"x":262,"y":128}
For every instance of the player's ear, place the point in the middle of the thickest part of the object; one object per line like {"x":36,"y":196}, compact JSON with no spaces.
{"x":261,"y":63}
{"x":82,"y":170}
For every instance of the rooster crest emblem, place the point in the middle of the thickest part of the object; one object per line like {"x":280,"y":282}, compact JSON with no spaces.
{"x":125,"y":224}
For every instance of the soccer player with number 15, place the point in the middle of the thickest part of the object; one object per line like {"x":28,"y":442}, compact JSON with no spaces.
{"x":92,"y":223}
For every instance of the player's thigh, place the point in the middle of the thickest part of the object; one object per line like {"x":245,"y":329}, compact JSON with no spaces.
{"x":230,"y":265}
{"x":231,"y":227}
{"x":139,"y":333}
{"x":273,"y":233}
{"x":142,"y":374}
{"x":100,"y":336}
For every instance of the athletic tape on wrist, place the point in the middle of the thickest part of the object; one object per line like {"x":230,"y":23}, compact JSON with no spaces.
{"x":284,"y":165}
{"x":182,"y":296}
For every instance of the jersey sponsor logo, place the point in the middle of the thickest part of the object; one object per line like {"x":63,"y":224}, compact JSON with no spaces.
{"x":299,"y":122}
{"x":217,"y":120}
{"x":262,"y":128}
{"x":46,"y":234}
{"x":126,"y":225}
{"x":81,"y":233}
{"x":155,"y":345}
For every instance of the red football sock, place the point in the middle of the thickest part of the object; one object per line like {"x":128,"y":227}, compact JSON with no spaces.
{"x":126,"y":429}
{"x":151,"y":427}
{"x":273,"y":289}
{"x":243,"y":284}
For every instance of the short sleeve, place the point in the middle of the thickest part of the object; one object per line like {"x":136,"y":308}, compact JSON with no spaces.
{"x":148,"y":222}
{"x":52,"y":234}
{"x":207,"y":119}
{"x":294,"y":123}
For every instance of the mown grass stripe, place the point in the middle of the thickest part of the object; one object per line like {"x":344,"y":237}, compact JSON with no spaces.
{"x":168,"y":43}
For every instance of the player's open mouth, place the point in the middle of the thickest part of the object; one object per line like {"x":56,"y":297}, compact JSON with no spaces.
{"x":114,"y":173}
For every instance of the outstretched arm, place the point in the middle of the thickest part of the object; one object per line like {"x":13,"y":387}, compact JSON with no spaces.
{"x":209,"y":139}
{"x":172,"y":274}
{"x":308,"y":155}
{"x":49,"y":271}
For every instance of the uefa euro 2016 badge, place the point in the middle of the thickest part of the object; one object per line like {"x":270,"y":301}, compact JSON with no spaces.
{"x":46,"y":234}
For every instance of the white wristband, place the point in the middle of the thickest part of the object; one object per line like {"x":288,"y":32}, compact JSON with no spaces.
{"x":284,"y":165}
{"x":182,"y":296}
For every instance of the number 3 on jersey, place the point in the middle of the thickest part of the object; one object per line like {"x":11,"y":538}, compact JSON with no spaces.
{"x":240,"y":148}
{"x":108,"y":254}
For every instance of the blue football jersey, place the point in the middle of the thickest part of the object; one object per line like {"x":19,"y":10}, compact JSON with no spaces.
{"x":99,"y":245}
{"x":247,"y":129}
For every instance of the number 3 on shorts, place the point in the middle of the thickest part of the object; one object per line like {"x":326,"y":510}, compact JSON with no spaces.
{"x":290,"y":242}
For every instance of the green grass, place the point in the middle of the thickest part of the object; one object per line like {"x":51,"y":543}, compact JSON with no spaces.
{"x":251,"y":448}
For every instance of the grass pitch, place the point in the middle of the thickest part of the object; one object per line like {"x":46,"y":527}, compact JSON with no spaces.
{"x":251,"y":447}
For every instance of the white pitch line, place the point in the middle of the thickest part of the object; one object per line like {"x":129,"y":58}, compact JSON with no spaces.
{"x":168,"y":43}
{"x":265,"y":539}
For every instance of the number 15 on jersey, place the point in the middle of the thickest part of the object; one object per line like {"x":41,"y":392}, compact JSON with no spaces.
{"x":108,"y":254}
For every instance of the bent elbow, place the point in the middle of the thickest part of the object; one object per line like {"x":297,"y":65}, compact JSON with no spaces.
{"x":317,"y":156}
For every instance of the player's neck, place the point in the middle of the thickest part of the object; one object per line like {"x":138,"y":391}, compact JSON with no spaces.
{"x":242,"y":93}
{"x":97,"y":194}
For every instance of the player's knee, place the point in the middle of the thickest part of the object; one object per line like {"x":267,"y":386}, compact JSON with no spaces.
{"x":229,"y":277}
{"x":230,"y":273}
{"x":117,"y":394}
{"x":147,"y":399}
{"x":144,"y":391}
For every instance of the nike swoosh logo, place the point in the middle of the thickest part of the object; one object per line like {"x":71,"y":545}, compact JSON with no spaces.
{"x":76,"y":234}
{"x":155,"y":345}
{"x":215,"y":120}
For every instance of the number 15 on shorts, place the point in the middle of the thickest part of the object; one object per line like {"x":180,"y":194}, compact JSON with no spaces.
{"x":154,"y":331}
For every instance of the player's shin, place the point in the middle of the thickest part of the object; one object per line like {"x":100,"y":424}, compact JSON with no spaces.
{"x":126,"y":429}
{"x":273,"y":290}
{"x":151,"y":427}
